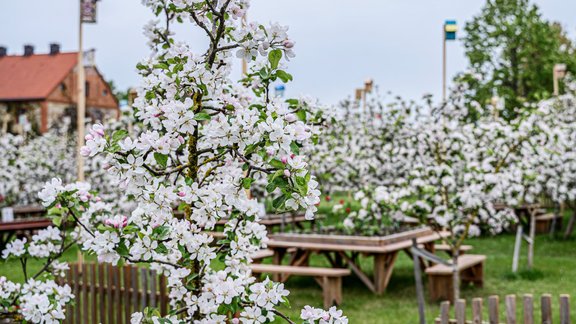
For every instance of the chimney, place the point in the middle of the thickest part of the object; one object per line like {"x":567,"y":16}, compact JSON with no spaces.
{"x":28,"y":50}
{"x":54,"y":48}
{"x":3,"y":51}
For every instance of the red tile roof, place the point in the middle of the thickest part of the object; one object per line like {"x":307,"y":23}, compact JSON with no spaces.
{"x":33,"y":77}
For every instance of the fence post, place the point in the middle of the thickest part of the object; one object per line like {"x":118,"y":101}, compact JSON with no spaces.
{"x":511,"y":309}
{"x":460,"y":310}
{"x":477,"y":311}
{"x":528,"y":309}
{"x":546,"y":308}
{"x":493,"y":310}
{"x":564,"y":309}
{"x":445,"y":312}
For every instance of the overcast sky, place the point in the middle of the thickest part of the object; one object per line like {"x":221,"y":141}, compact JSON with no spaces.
{"x":338,"y":43}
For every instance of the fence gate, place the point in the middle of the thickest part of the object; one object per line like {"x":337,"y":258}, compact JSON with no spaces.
{"x":109,"y":295}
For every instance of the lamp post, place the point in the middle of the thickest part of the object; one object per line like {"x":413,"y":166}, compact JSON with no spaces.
{"x":559,"y":72}
{"x":449,"y":33}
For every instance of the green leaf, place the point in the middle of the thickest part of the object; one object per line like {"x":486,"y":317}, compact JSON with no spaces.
{"x":274,"y":57}
{"x":119,"y":135}
{"x":284,"y":76}
{"x":161,"y":232}
{"x":279,"y":201}
{"x":57,"y":221}
{"x":202,"y":116}
{"x":161,"y":159}
{"x":277,"y":164}
{"x":246,"y":182}
{"x":301,"y":114}
{"x":162,"y":66}
{"x":122,"y":249}
{"x":295,"y":148}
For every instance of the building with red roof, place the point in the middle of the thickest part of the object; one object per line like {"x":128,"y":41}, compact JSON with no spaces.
{"x":38,"y":90}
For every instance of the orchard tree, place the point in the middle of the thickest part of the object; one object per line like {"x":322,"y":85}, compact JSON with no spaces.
{"x":511,"y":51}
{"x":204,"y":138}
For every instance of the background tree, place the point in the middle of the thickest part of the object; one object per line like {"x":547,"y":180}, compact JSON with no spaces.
{"x":512,"y":50}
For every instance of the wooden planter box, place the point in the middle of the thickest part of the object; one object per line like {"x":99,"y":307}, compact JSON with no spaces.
{"x":354,"y":239}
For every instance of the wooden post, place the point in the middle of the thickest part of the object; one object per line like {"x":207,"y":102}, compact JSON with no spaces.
{"x":555,"y":81}
{"x":455,"y":273}
{"x":517,"y":246}
{"x":531,"y":214}
{"x":564,"y":309}
{"x":80,"y":101}
{"x":477,"y":311}
{"x":528,"y":309}
{"x":546,"y":308}
{"x":419,"y":286}
{"x":493,"y":310}
{"x":460,"y":311}
{"x":445,"y":312}
{"x":570,"y":226}
{"x":511,"y":309}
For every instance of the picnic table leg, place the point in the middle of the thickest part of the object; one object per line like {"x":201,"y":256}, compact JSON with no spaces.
{"x":383,"y":265}
{"x":358,"y":271}
{"x":277,"y":259}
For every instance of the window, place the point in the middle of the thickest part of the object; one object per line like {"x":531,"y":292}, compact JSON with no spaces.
{"x":104,"y":93}
{"x":87,"y":89}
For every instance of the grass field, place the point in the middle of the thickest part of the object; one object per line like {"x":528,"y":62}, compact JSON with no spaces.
{"x":555,"y":272}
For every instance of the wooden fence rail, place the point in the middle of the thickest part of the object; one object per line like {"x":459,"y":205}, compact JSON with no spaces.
{"x":527,"y":315}
{"x":109,"y":295}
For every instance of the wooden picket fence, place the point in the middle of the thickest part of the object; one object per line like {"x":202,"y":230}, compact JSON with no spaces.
{"x":510,"y":311}
{"x":109,"y":295}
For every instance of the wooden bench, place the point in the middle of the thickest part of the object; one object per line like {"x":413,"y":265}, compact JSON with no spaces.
{"x":470,"y":268}
{"x":262,"y":254}
{"x":330,"y":279}
{"x":446,"y":248}
{"x":544,"y":223}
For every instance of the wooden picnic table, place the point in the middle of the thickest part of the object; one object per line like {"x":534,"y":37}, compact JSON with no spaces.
{"x":21,"y":226}
{"x":25,"y":211}
{"x":341,"y":255}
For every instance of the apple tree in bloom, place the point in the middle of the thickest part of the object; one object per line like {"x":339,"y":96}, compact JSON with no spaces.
{"x":204,"y":139}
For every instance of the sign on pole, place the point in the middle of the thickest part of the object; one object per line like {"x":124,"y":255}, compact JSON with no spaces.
{"x":450,"y":29}
{"x":88,"y":11}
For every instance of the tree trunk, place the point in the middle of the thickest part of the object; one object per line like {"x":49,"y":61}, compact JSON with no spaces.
{"x":571,"y":222}
{"x":455,"y":273}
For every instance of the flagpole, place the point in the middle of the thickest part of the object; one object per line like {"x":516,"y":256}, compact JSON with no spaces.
{"x":81,"y":100}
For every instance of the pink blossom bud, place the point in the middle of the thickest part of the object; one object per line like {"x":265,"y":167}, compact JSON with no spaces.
{"x":235,"y":321}
{"x":89,"y":137}
{"x":288,"y":43}
{"x":292,"y":155}
{"x":106,"y":166}
{"x":290,"y":118}
{"x":284,"y":159}
{"x":85,"y":151}
{"x":270,"y":151}
{"x":157,"y":115}
{"x":181,"y":139}
{"x":287,"y":173}
{"x":181,"y":194}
